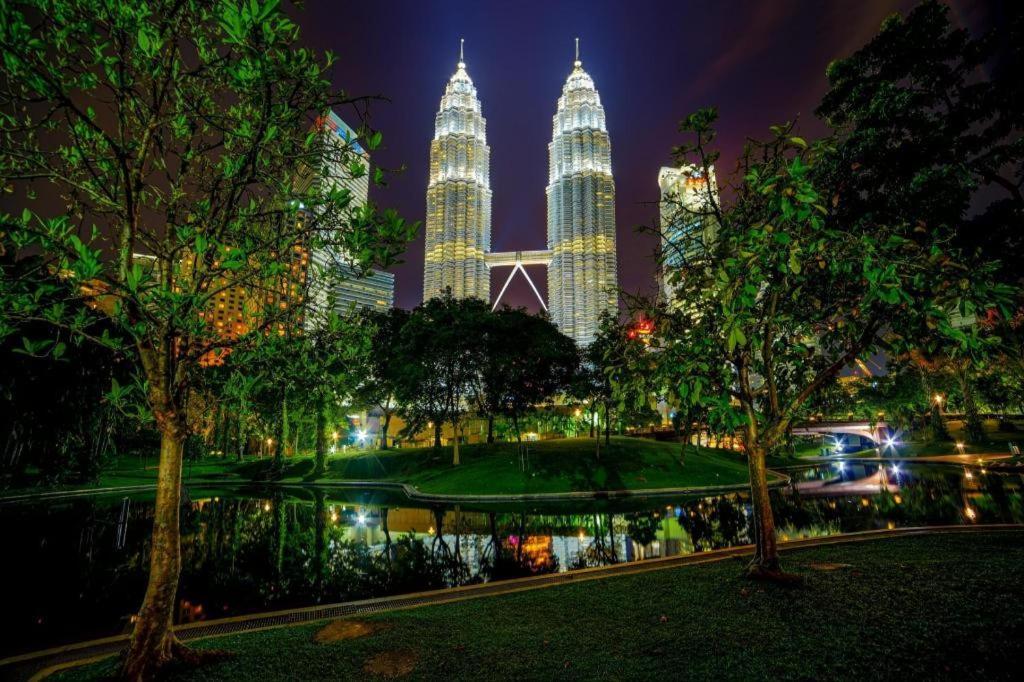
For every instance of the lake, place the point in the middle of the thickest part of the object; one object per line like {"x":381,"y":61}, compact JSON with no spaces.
{"x":76,"y":569}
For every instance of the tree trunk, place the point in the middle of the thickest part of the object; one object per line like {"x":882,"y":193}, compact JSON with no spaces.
{"x":687,"y":427}
{"x":455,"y":442}
{"x":437,"y":434}
{"x":766,"y":552}
{"x":225,"y":430}
{"x":321,"y":439}
{"x":152,"y":642}
{"x":243,"y":438}
{"x":607,"y":424}
{"x":972,"y":420}
{"x":490,"y":428}
{"x":282,"y":433}
{"x":384,"y":431}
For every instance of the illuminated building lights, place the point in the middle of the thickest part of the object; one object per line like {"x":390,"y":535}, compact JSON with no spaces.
{"x":582,"y":276}
{"x":458,"y":224}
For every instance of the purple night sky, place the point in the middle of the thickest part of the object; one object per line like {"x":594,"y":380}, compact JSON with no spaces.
{"x":760,"y":63}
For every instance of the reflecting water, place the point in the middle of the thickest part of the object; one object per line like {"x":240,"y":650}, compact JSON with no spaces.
{"x":76,"y":569}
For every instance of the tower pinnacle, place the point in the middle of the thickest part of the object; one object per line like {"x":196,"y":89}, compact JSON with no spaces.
{"x":577,"y":63}
{"x":462,"y":59}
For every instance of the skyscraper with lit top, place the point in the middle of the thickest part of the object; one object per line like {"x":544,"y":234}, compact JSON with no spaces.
{"x":582,"y":276}
{"x":458,"y":225}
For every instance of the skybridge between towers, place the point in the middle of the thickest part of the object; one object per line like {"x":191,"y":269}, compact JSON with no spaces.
{"x":517,"y":260}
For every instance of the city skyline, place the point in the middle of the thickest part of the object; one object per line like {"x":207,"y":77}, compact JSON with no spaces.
{"x":757,"y":72}
{"x":580,"y":256}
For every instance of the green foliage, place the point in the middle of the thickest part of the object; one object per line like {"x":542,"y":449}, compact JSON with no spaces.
{"x":789,"y":292}
{"x":386,"y":368}
{"x":442,"y":350}
{"x":189,"y":132}
{"x":526,"y":362}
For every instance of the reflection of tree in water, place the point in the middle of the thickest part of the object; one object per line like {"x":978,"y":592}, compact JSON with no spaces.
{"x":601,"y":550}
{"x":642,"y":527}
{"x":520,"y":554}
{"x":448,"y":560}
{"x":278,"y":553}
{"x":714,"y":522}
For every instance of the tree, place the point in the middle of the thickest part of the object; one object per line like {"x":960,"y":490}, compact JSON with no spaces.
{"x":333,"y":363}
{"x":442,"y":342}
{"x":629,"y":366}
{"x":926,"y":133}
{"x":176,"y":130}
{"x":385,"y":366}
{"x":525,"y":362}
{"x":605,"y":360}
{"x":55,"y":413}
{"x":792,"y":288}
{"x":312,"y":372}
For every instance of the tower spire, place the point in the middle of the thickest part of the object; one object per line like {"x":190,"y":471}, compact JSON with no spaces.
{"x":578,"y":62}
{"x":462,"y":59}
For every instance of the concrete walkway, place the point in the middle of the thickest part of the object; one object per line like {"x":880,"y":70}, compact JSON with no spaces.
{"x":37,"y":665}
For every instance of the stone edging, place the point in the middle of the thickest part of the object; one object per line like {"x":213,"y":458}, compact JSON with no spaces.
{"x":412,"y":492}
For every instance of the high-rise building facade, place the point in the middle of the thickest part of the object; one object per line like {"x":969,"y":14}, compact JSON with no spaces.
{"x":374,"y":290}
{"x":687,"y":225}
{"x":582,"y":276}
{"x":345,"y":286}
{"x":458,"y":225}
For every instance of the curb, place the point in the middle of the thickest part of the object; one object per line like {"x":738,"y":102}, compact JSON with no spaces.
{"x":414,"y":493}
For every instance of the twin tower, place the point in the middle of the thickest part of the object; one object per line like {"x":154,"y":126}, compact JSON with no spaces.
{"x":580,"y":254}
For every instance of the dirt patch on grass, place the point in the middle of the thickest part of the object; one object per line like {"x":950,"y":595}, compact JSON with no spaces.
{"x":827,"y":566}
{"x":342,"y":629}
{"x":392,"y":663}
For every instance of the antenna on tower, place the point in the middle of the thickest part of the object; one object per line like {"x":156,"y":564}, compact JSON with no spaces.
{"x":462,"y":60}
{"x":578,"y":62}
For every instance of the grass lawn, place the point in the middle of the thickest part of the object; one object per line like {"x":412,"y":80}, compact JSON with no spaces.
{"x":551,"y":466}
{"x":927,"y":607}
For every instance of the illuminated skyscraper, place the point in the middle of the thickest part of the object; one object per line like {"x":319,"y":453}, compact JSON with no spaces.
{"x":344,"y":287}
{"x":687,"y":225}
{"x":582,"y":277}
{"x":458,"y":230}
